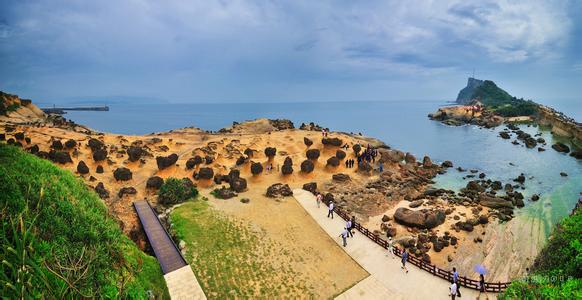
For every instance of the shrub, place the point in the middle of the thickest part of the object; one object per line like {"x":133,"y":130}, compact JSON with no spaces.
{"x":175,"y":191}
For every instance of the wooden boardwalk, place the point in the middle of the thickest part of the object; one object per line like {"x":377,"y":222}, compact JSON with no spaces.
{"x":168,"y":254}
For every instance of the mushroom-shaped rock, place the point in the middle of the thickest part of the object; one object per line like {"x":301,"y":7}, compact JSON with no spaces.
{"x":95,"y":144}
{"x":340,"y":154}
{"x":99,"y":154}
{"x":241,"y":160}
{"x":332,"y":141}
{"x":307,"y":142}
{"x":357,"y":148}
{"x":287,"y":169}
{"x":218,"y":178}
{"x":340,"y":177}
{"x":33,"y":149}
{"x":288,"y":161}
{"x":208,"y":159}
{"x":70,"y":144}
{"x":426,"y":162}
{"x":60,"y":157}
{"x":234,"y":174}
{"x":270,"y":152}
{"x":82,"y":167}
{"x":238,"y":184}
{"x":134,"y":153}
{"x":310,"y":187}
{"x":166,"y":161}
{"x":101,"y":191}
{"x":279,"y":190}
{"x":122,"y":174}
{"x":193,"y":162}
{"x":155,"y":182}
{"x":410,"y":158}
{"x":333,"y":162}
{"x":99,"y":169}
{"x":307,"y":166}
{"x":256,"y":168}
{"x":57,"y":145}
{"x":126,"y":191}
{"x":2,"y":136}
{"x":249,"y":152}
{"x":327,"y":198}
{"x":20,"y":136}
{"x":205,"y":173}
{"x":312,"y":154}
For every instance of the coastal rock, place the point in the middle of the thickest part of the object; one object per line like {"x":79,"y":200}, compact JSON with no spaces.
{"x":282,"y":124}
{"x":249,"y":152}
{"x":99,"y":169}
{"x":69,"y":144}
{"x":540,"y":149}
{"x":333,"y":162}
{"x":60,"y":157}
{"x":256,"y":168}
{"x":560,"y":147}
{"x":332,"y":141}
{"x":205,"y":173}
{"x":57,"y":145}
{"x":504,"y":135}
{"x":312,"y":154}
{"x":238,"y":184}
{"x":287,"y":169}
{"x":224,"y":193}
{"x":310,"y":187}
{"x":2,"y":136}
{"x":421,"y":219}
{"x":19,"y":136}
{"x":155,"y":182}
{"x":426,"y":162}
{"x":208,"y":159}
{"x":95,"y":144}
{"x":357,"y":148}
{"x":307,"y":142}
{"x":33,"y":149}
{"x":535,"y":197}
{"x":475,"y":186}
{"x":415,"y":203}
{"x":520,"y":179}
{"x":391,"y":231}
{"x":410,"y":158}
{"x":234,"y":174}
{"x":270,"y":152}
{"x":279,"y":190}
{"x":494,"y":202}
{"x":307,"y":166}
{"x":99,"y":154}
{"x":239,"y":161}
{"x":328,"y":197}
{"x":340,"y":154}
{"x":447,"y":164}
{"x":576,"y":154}
{"x":122,"y":174}
{"x":101,"y":191}
{"x":563,"y":174}
{"x":192,"y":162}
{"x":82,"y":167}
{"x":126,"y":191}
{"x":164,"y":162}
{"x":134,"y":153}
{"x":340,"y":177}
{"x":483,"y":219}
{"x":365,"y":168}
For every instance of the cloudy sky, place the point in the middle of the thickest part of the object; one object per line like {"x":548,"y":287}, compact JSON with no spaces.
{"x":252,"y":51}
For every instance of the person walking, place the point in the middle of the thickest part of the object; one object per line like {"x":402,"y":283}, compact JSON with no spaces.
{"x":453,"y":290}
{"x":318,"y":199}
{"x":390,"y":247}
{"x":330,"y":209}
{"x":353,"y":227}
{"x":347,"y":163}
{"x":482,"y":287}
{"x":456,"y":280}
{"x":344,"y":236}
{"x":349,"y":228}
{"x":404,"y":259}
{"x":381,"y":167}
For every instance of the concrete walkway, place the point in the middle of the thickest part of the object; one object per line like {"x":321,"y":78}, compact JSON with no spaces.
{"x":182,"y":285}
{"x":396,"y":284}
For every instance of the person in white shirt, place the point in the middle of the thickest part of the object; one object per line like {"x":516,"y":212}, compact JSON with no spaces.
{"x":344,"y":236}
{"x":330,"y":209}
{"x":453,"y":290}
{"x":390,"y":247}
{"x":318,"y":199}
{"x":348,"y":227}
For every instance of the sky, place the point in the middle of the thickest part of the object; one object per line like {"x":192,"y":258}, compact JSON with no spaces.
{"x":269,"y":51}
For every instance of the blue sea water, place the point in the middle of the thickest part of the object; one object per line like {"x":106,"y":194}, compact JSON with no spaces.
{"x":402,"y":124}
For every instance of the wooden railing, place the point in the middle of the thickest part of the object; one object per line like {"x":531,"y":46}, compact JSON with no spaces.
{"x":495,"y":287}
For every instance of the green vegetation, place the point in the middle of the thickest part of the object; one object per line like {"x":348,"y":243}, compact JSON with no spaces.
{"x":231,"y":260}
{"x":175,"y":191}
{"x":518,"y":107}
{"x":501,"y":102}
{"x":58,"y":241}
{"x":557,"y":270}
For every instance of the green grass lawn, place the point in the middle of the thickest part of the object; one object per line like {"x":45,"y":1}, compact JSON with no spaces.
{"x":58,"y":241}
{"x":231,"y":260}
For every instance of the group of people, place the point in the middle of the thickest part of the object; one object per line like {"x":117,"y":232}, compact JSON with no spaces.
{"x":350,"y":163}
{"x":369,"y":155}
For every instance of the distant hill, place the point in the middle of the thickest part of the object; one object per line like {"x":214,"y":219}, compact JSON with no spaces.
{"x":495,"y":98}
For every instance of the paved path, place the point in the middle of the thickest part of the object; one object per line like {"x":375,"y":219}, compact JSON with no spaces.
{"x":417,"y":284}
{"x":182,"y":284}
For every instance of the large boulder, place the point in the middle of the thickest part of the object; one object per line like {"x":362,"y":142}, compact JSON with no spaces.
{"x":33,"y":149}
{"x":126,"y":191}
{"x":166,"y":161}
{"x":287,"y":169}
{"x":193,"y":162}
{"x":576,"y":154}
{"x":99,"y":169}
{"x":57,"y":145}
{"x":307,"y":166}
{"x":474,"y":186}
{"x":357,"y":148}
{"x":101,"y":191}
{"x":332,"y":141}
{"x":155,"y":182}
{"x":69,"y":144}
{"x":279,"y":190}
{"x":422,"y":219}
{"x":340,"y":154}
{"x":208,"y":159}
{"x":205,"y":173}
{"x":100,"y":154}
{"x":224,"y":193}
{"x":312,"y":154}
{"x":270,"y":152}
{"x":82,"y":168}
{"x":494,"y":202}
{"x":364,"y":167}
{"x":307,"y":142}
{"x":447,"y":164}
{"x":340,"y":177}
{"x":410,"y":158}
{"x":394,"y":156}
{"x":426,"y":162}
{"x":560,"y":147}
{"x":256,"y":168}
{"x":60,"y":157}
{"x":238,"y":184}
{"x":310,"y":187}
{"x":122,"y":174}
{"x":333,"y":162}
{"x":95,"y":144}
{"x":249,"y":152}
{"x":20,"y":136}
{"x":134,"y":153}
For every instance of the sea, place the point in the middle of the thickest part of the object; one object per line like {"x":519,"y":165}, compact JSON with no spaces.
{"x":402,"y":125}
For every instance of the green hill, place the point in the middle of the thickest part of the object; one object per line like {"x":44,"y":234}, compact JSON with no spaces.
{"x":58,"y":241}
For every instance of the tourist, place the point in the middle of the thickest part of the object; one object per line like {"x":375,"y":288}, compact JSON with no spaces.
{"x":381,"y":167}
{"x":482,"y":287}
{"x":353,"y":225}
{"x":456,"y":280}
{"x":323,"y":132}
{"x":347,"y":163}
{"x":349,"y":228}
{"x":318,"y":199}
{"x":404,"y":259}
{"x":390,"y":247}
{"x":330,"y":209}
{"x":453,"y":290}
{"x":344,"y":236}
